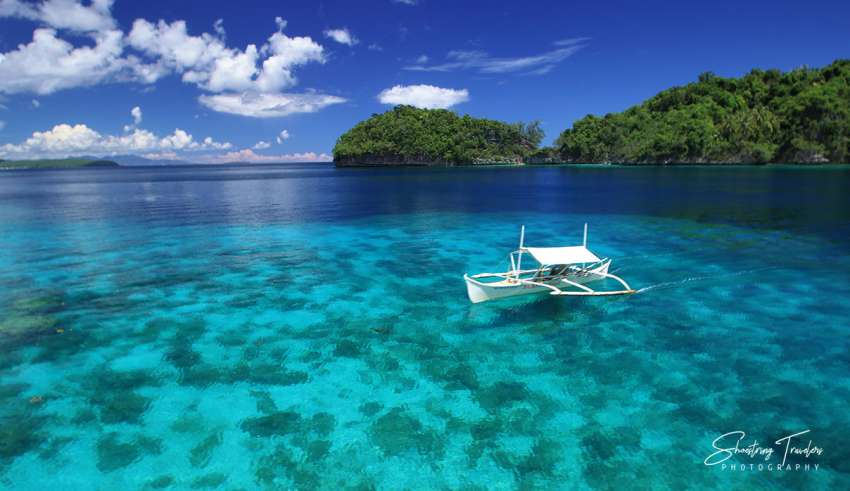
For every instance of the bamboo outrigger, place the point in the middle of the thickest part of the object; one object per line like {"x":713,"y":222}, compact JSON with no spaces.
{"x":562,"y":271}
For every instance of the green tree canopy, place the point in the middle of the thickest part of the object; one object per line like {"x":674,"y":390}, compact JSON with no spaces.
{"x":765,"y":116}
{"x":409,"y":135}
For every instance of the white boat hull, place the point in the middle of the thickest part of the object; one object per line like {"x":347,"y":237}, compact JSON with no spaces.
{"x":481,"y":292}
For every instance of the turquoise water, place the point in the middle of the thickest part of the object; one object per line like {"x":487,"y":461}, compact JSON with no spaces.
{"x":301,"y":327}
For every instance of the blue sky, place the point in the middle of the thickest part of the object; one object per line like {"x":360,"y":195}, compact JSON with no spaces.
{"x":267,"y":81}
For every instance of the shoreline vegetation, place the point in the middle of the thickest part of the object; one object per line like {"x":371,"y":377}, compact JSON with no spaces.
{"x":55,"y":163}
{"x":766,"y":116}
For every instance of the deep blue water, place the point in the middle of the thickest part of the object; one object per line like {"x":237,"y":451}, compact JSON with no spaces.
{"x":304,"y":327}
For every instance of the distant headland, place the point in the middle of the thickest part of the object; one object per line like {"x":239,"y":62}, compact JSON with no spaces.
{"x":766,"y":116}
{"x":55,"y":163}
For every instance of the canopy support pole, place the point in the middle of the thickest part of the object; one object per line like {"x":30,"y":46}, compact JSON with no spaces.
{"x":519,"y":257}
{"x":584,"y":242}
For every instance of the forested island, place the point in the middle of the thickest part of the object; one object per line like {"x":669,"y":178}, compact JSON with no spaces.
{"x":407,"y":135}
{"x":766,"y":116}
{"x":55,"y":163}
{"x":802,"y":116}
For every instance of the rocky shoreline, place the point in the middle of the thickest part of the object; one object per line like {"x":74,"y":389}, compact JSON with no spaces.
{"x":349,"y":163}
{"x":388,"y":161}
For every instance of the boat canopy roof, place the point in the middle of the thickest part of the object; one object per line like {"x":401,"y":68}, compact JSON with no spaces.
{"x":562,"y":255}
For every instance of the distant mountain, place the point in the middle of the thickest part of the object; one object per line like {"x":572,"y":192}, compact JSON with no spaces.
{"x":137,"y":160}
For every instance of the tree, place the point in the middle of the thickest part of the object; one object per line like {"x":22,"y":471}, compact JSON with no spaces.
{"x":532,"y":133}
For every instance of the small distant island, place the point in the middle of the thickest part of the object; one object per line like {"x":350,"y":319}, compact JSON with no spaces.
{"x":798,"y":117}
{"x":55,"y":164}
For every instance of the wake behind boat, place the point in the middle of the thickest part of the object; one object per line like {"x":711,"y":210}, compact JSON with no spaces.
{"x":560,"y":271}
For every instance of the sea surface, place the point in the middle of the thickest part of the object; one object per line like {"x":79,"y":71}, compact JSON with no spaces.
{"x":305,"y":327}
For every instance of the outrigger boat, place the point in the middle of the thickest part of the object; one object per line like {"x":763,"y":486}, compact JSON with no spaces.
{"x":560,"y":271}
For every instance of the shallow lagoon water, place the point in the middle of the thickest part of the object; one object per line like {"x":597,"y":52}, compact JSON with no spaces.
{"x":302,"y":327}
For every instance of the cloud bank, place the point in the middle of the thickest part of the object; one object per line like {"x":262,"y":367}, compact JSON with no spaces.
{"x":248,"y":155}
{"x":64,"y":139}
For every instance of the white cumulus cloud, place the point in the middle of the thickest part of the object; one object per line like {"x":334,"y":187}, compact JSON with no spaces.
{"x":63,"y":14}
{"x":245,"y":82}
{"x":136,"y":112}
{"x":64,"y":139}
{"x":172,"y":44}
{"x":284,"y":135}
{"x":261,"y":145}
{"x":424,"y":96}
{"x":268,"y":105}
{"x":48,"y":64}
{"x":204,"y":60}
{"x":342,"y":36}
{"x":258,"y":74}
